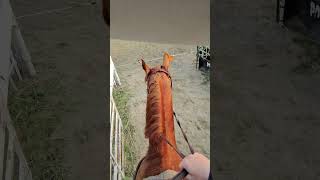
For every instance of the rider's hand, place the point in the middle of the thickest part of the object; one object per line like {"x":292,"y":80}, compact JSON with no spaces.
{"x":197,"y":165}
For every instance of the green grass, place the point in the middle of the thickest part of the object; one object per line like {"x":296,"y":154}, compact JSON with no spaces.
{"x":121,"y":97}
{"x":35,"y":110}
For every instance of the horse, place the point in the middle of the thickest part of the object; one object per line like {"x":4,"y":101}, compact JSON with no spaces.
{"x":160,"y":156}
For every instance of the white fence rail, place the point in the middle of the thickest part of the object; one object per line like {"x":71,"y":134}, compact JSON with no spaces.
{"x":116,"y":131}
{"x":116,"y":143}
{"x":114,"y":78}
{"x":14,"y":57}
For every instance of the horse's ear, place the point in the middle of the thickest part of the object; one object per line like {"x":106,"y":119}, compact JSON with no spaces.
{"x":167,"y":58}
{"x":145,"y":66}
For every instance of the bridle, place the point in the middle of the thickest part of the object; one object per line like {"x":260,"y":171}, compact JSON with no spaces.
{"x":183,"y":173}
{"x":155,"y":71}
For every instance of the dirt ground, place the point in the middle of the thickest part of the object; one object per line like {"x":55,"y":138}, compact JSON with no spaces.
{"x":191,"y":90}
{"x":266,"y":113}
{"x":70,"y":47}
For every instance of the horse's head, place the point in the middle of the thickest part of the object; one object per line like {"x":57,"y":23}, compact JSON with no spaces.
{"x":159,"y":122}
{"x":152,"y":73}
{"x":159,"y":84}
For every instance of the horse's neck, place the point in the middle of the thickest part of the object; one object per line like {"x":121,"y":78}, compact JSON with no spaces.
{"x":160,"y":123}
{"x":159,"y":119}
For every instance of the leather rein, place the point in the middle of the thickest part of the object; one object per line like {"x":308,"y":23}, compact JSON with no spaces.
{"x":183,"y":173}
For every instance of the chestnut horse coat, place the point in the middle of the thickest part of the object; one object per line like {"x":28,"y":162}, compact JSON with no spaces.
{"x":160,"y":156}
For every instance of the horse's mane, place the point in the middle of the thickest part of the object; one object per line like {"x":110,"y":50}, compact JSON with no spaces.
{"x":158,"y":106}
{"x":154,"y":110}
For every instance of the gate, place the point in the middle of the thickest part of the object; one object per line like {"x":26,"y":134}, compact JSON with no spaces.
{"x":14,"y":58}
{"x":116,"y":131}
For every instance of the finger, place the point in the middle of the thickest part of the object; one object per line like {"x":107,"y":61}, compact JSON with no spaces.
{"x":190,"y":157}
{"x":180,"y":166}
{"x":196,"y":153}
{"x":188,"y":177}
{"x":185,"y":163}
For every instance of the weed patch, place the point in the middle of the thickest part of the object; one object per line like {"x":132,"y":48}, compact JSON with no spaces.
{"x":35,"y":116}
{"x":121,"y":97}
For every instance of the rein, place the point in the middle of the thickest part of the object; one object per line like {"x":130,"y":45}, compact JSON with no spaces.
{"x":184,"y":172}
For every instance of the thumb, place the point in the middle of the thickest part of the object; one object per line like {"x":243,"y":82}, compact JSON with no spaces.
{"x":180,"y":165}
{"x":188,"y":177}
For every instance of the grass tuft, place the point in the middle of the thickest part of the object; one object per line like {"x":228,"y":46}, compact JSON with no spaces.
{"x":121,"y":97}
{"x":35,"y":117}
